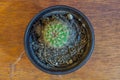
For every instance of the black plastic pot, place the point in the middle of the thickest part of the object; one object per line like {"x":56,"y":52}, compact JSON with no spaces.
{"x":88,"y":49}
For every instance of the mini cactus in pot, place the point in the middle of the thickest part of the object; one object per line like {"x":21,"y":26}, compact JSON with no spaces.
{"x":59,"y":40}
{"x":56,"y":34}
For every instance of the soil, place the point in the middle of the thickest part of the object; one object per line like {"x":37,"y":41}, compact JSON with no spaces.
{"x":60,"y":55}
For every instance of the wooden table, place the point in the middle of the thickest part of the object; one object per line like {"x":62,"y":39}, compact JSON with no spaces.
{"x":104,"y":16}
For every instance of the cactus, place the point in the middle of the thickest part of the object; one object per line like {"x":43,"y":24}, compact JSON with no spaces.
{"x":56,"y":34}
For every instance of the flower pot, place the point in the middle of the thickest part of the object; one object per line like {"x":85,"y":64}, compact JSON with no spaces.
{"x":59,"y":40}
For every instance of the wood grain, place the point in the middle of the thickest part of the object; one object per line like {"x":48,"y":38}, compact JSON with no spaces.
{"x":104,"y":16}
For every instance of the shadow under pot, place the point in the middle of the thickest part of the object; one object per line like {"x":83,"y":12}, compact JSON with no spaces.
{"x":59,"y":40}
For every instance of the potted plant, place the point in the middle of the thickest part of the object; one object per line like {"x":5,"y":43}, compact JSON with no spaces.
{"x":59,"y":40}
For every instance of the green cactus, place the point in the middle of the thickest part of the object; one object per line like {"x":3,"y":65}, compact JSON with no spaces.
{"x":56,"y":34}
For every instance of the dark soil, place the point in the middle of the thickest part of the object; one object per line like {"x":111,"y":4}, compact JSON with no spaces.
{"x":68,"y":54}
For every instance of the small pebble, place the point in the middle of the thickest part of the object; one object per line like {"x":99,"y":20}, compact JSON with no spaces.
{"x":70,"y":61}
{"x":83,"y":25}
{"x":79,"y":19}
{"x":56,"y":63}
{"x":81,"y":50}
{"x":69,"y":16}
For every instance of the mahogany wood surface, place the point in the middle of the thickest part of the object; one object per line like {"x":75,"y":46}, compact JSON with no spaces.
{"x":104,"y":15}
